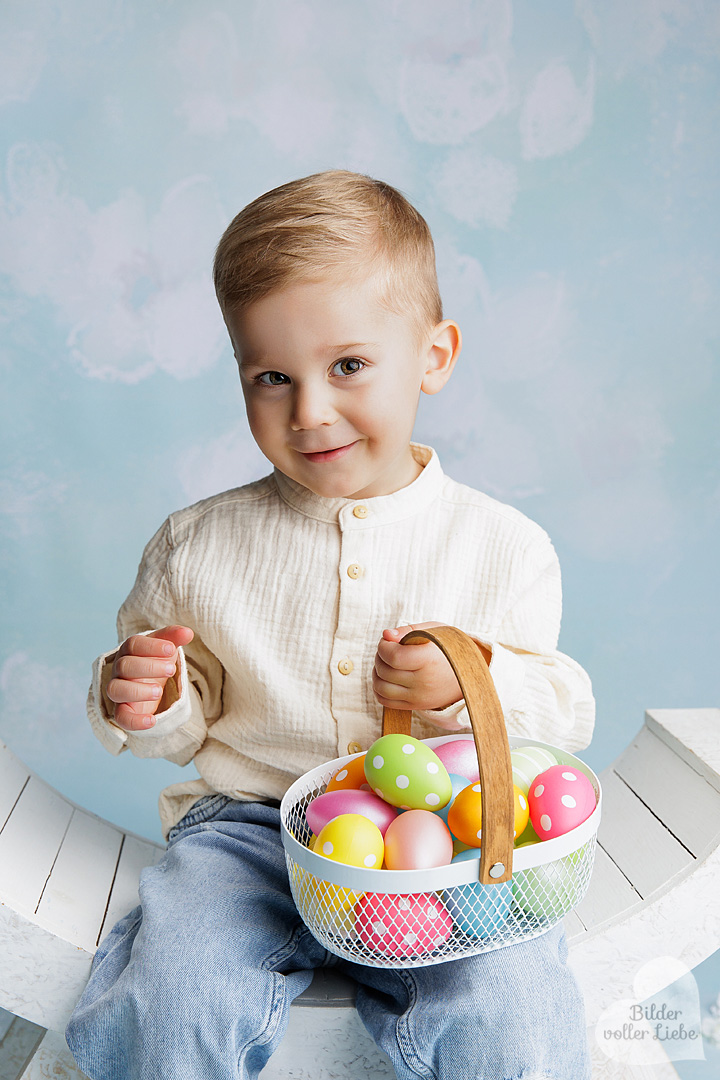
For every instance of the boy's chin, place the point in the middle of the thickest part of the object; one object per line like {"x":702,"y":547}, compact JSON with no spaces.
{"x":336,"y":487}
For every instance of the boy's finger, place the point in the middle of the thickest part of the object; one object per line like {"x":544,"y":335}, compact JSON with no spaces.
{"x":404,"y":657}
{"x":130,"y":720}
{"x":131,"y":690}
{"x":160,"y":643}
{"x":390,"y":695}
{"x":391,"y":675}
{"x":399,"y":632}
{"x":143,"y":667}
{"x":178,"y":635}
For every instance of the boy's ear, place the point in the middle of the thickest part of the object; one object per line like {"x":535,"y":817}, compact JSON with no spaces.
{"x":442,"y":353}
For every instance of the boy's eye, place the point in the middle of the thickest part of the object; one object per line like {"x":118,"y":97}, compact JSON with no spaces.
{"x":272,"y":378}
{"x":350,"y":365}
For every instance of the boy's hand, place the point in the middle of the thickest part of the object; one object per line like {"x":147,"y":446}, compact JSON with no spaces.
{"x":143,"y":665}
{"x":413,"y":676}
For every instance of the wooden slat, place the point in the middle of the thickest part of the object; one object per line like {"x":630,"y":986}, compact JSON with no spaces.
{"x":13,"y":777}
{"x":328,"y":988}
{"x":76,"y":895}
{"x":636,"y":840}
{"x":574,"y":927}
{"x":609,"y":894}
{"x":694,"y":735}
{"x":676,"y":793}
{"x":136,"y":854}
{"x":29,"y":843}
{"x":18,"y":1046}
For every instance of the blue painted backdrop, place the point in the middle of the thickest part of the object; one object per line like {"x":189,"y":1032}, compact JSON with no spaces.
{"x":566,"y":156}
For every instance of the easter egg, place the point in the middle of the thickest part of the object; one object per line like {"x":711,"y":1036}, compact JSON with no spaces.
{"x":527,"y":762}
{"x":330,"y":905}
{"x":458,"y":783}
{"x":549,"y":891}
{"x":459,"y":756}
{"x":527,"y":836}
{"x":402,"y":926}
{"x":417,"y":840}
{"x":560,"y":798}
{"x":479,"y":910}
{"x":348,"y":801}
{"x":465,"y":814}
{"x":322,"y":903}
{"x":407,"y":773}
{"x":351,"y":839}
{"x":351,"y":775}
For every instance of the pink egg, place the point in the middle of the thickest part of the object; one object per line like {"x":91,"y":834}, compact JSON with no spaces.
{"x":417,"y":840}
{"x":560,"y":799}
{"x":459,"y":756}
{"x":349,"y":801}
{"x":402,"y":926}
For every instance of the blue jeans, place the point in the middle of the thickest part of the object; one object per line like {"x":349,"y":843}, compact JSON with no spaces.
{"x":197,"y":982}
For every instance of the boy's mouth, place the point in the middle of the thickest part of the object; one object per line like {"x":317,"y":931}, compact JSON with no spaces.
{"x":328,"y":455}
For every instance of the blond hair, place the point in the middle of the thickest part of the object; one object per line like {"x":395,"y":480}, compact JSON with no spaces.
{"x":324,"y":225}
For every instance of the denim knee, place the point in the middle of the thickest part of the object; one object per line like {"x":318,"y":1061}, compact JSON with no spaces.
{"x":159,"y":1024}
{"x":509,"y":1014}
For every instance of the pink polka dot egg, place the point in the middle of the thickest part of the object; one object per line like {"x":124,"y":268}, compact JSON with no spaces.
{"x":402,"y":926}
{"x":560,"y":799}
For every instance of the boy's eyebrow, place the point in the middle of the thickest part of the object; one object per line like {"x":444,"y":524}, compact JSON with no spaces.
{"x":350,"y":345}
{"x":249,"y":360}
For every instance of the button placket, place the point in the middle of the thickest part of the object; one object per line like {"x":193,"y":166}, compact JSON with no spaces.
{"x":349,"y":691}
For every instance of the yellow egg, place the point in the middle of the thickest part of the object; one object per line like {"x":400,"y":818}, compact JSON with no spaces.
{"x":465,"y":814}
{"x":322,"y":902}
{"x":335,"y":902}
{"x":352,"y":839}
{"x":522,"y":810}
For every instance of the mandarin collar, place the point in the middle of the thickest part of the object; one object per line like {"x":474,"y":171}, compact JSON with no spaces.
{"x":368,"y":513}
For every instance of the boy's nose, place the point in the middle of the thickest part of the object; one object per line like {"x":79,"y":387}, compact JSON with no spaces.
{"x":312,"y":408}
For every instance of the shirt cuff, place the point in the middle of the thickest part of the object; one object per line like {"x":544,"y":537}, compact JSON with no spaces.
{"x":175,"y":705}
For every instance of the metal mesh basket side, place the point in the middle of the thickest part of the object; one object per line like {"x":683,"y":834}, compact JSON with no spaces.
{"x":418,"y":929}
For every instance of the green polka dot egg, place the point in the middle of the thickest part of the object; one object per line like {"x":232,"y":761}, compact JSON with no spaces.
{"x":407,"y":773}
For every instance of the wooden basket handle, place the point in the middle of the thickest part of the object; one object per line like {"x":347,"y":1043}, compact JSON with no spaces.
{"x":491,"y":745}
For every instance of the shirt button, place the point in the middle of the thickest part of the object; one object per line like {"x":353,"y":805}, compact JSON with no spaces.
{"x":354,"y":571}
{"x":360,"y":511}
{"x":354,"y":748}
{"x":345,"y":666}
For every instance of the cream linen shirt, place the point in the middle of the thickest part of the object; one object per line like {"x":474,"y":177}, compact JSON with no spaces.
{"x":288,"y":594}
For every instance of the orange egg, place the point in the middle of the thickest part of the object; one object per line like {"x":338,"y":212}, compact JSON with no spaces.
{"x":351,"y":775}
{"x":465,"y":814}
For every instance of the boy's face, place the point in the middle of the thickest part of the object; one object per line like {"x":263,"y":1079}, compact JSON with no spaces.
{"x":331,"y":381}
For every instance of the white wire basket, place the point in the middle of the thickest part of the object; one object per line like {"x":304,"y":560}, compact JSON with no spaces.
{"x":414,"y":918}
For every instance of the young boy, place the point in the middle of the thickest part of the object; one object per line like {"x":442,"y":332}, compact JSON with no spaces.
{"x":250,"y":645}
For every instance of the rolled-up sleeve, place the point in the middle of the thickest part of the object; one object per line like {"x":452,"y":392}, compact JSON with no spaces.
{"x":193,"y":697}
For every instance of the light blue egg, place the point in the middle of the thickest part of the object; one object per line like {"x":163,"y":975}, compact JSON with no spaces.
{"x":466,"y":856}
{"x":478,"y":910}
{"x":458,"y":783}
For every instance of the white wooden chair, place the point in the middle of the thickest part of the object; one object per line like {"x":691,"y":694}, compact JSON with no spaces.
{"x":66,"y":876}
